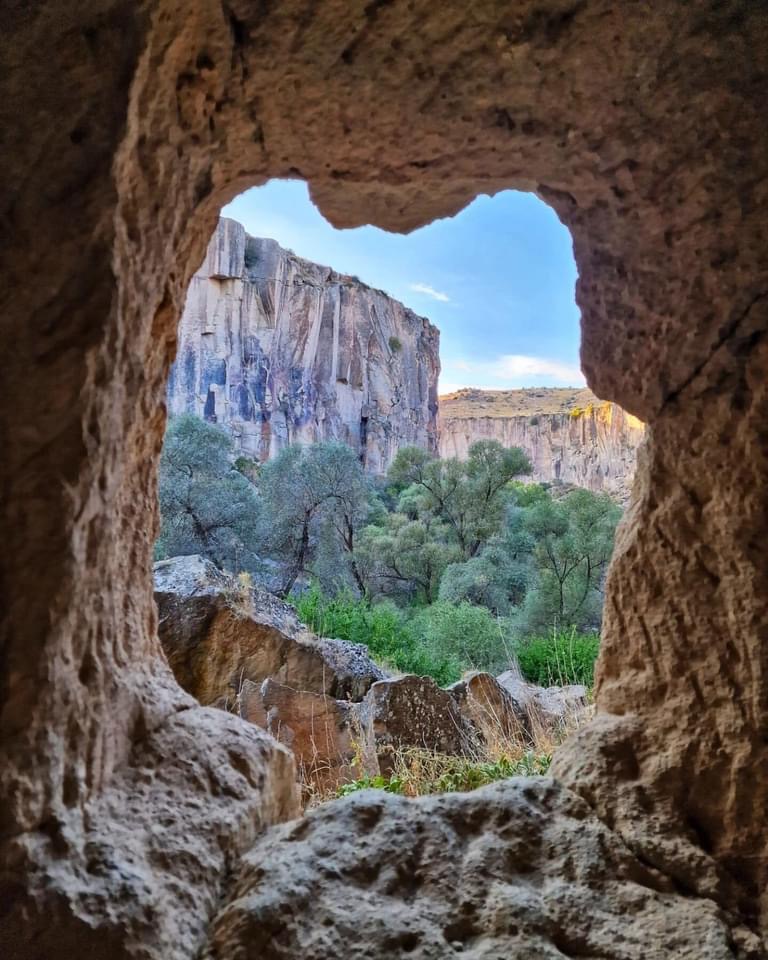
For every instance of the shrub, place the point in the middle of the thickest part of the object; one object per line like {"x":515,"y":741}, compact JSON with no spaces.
{"x":463,"y":635}
{"x":561,"y":658}
{"x":395,"y":344}
{"x":380,"y":627}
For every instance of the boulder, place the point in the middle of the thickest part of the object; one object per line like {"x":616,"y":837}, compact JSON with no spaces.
{"x":411,"y":711}
{"x":495,"y":716}
{"x":521,"y":869}
{"x":323,"y":733}
{"x":551,"y":708}
{"x":217,"y":634}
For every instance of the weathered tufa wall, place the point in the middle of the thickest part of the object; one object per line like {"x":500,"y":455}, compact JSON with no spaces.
{"x":126,"y":127}
{"x":282,"y":350}
{"x":593,"y":446}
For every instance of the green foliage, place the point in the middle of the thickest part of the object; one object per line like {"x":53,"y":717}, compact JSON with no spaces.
{"x":478,"y":562}
{"x":451,"y":774}
{"x":381,"y":627}
{"x":404,"y":556}
{"x":468,"y":497}
{"x":206,"y":505}
{"x":463,"y":635}
{"x":495,"y":579}
{"x":390,"y":784}
{"x":395,"y":344}
{"x":306,"y":491}
{"x":560,"y":658}
{"x":569,"y":544}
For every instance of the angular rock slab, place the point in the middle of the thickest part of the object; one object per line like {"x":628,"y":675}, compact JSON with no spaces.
{"x":520,"y":869}
{"x":547,"y":707}
{"x":323,"y":733}
{"x":410,"y":711}
{"x":496,"y":716}
{"x":215,"y":639}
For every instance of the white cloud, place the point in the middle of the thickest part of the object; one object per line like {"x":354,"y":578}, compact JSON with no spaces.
{"x":429,"y":292}
{"x":516,"y":370}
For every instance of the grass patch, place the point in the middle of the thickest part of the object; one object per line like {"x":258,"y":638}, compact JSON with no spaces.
{"x":562,"y":658}
{"x":421,"y":773}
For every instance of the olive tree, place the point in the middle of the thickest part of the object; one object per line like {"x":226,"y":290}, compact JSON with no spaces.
{"x":308,"y":494}
{"x":206,"y":505}
{"x":468,"y":496}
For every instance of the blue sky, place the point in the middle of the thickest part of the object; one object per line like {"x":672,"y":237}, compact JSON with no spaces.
{"x":497,"y":279}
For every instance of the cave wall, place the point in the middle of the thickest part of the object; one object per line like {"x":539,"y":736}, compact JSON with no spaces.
{"x":126,"y":127}
{"x":281,"y":350}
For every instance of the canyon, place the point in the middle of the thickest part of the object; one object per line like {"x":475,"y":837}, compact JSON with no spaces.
{"x":570,"y":436}
{"x":281,"y":350}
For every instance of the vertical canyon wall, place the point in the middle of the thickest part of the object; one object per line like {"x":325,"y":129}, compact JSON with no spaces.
{"x":281,"y":350}
{"x":569,"y":435}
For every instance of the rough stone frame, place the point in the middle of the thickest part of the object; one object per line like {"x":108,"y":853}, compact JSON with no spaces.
{"x":125,"y":128}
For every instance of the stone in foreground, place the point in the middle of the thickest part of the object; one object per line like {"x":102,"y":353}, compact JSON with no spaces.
{"x":521,"y":869}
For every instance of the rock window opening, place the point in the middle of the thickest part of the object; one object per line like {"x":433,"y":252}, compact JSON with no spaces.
{"x":137,"y":823}
{"x":432,"y":527}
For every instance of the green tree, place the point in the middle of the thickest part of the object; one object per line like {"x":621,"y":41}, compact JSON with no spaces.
{"x":469,"y":496}
{"x":206,"y":505}
{"x":570,"y":542}
{"x":463,"y":635}
{"x":308,"y":491}
{"x":405,"y":556}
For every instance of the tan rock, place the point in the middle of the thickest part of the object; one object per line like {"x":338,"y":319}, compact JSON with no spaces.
{"x":588,"y":443}
{"x":126,"y":128}
{"x":215,"y":639}
{"x":497,"y":719}
{"x":322,"y":733}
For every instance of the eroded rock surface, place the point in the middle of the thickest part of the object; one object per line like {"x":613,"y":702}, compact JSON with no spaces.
{"x":407,"y":712}
{"x":546,"y":707}
{"x":324,"y":734}
{"x":282,"y":350}
{"x":216,"y":636}
{"x":520,"y":869}
{"x":576,"y":439}
{"x":126,"y":127}
{"x":494,"y":714}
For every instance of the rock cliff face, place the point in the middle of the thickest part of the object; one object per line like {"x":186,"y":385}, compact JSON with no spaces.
{"x":569,"y":435}
{"x":282,"y":350}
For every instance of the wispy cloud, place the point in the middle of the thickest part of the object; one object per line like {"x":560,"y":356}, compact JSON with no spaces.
{"x":520,"y":369}
{"x":429,"y":292}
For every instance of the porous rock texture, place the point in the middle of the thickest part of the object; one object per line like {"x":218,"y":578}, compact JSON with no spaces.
{"x":593,"y":445}
{"x":125,"y":129}
{"x":518,"y":870}
{"x":217,"y":635}
{"x":281,"y":350}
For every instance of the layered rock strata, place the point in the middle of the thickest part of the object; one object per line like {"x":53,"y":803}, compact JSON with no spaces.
{"x":281,"y":350}
{"x":569,"y":435}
